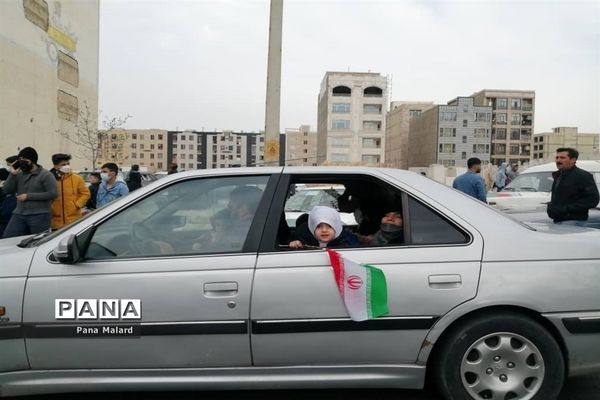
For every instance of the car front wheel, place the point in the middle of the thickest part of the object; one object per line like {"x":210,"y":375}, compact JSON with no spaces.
{"x":500,"y":357}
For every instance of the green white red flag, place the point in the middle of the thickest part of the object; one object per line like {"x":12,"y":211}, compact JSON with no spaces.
{"x":362,"y":287}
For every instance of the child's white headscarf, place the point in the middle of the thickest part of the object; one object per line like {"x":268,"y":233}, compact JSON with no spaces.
{"x":328,"y":215}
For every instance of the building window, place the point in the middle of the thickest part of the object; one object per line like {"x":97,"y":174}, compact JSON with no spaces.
{"x":305,"y":142}
{"x":340,"y":124}
{"x":514,"y":149}
{"x":370,"y":158}
{"x":447,"y":148}
{"x":371,"y":108}
{"x":448,"y":163}
{"x":134,"y":145}
{"x":151,"y":137}
{"x":152,"y":156}
{"x":463,"y":155}
{"x":515,"y":134}
{"x":371,"y":143}
{"x":338,"y":108}
{"x":372,"y":125}
{"x":160,"y":155}
{"x":159,"y":165}
{"x":160,"y":146}
{"x":414,"y":113}
{"x":342,"y":91}
{"x":133,"y":155}
{"x":182,"y":147}
{"x":499,"y":148}
{"x":160,"y":137}
{"x":190,"y":147}
{"x":340,"y":142}
{"x":141,"y":155}
{"x":502,"y":104}
{"x":142,"y":146}
{"x":515,"y":104}
{"x":373,"y":91}
{"x":134,"y":136}
{"x":516,"y":119}
{"x":464,"y":139}
{"x":448,"y":116}
{"x":447,"y":132}
{"x":337,"y":157}
{"x":501,"y":118}
{"x":481,"y":148}
{"x":465,"y":123}
{"x":151,"y":146}
{"x":499,"y":134}
{"x":482,"y":117}
{"x":482,"y":133}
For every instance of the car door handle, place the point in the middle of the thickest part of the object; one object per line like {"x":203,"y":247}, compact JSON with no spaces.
{"x":220,"y":289}
{"x":449,"y":281}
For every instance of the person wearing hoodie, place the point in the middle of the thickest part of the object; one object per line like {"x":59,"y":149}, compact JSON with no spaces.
{"x":73,"y":194}
{"x":323,"y":229}
{"x":110,"y":188}
{"x":500,"y":179}
{"x":35,"y":188}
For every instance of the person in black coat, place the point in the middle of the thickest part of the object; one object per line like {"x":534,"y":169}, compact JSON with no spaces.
{"x":134,"y":180}
{"x":94,"y":184}
{"x":574,"y":190}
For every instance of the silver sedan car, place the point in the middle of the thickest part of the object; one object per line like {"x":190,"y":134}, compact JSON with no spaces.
{"x":189,"y":283}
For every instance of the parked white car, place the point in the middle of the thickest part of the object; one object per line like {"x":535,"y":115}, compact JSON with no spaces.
{"x":533,"y":187}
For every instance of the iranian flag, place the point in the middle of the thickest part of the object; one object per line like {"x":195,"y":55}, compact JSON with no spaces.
{"x":362,"y":287}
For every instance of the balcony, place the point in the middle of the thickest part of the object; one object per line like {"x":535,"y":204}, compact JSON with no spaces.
{"x":527,"y":107}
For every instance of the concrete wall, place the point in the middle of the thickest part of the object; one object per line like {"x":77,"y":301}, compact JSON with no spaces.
{"x":397,"y":131}
{"x":423,"y":139}
{"x":48,"y":70}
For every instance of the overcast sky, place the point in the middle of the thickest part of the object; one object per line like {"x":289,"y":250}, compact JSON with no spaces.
{"x":201,"y":64}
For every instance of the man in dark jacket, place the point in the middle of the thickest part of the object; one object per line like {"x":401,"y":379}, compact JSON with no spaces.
{"x":134,"y":180}
{"x":35,"y":188}
{"x":574,"y":191}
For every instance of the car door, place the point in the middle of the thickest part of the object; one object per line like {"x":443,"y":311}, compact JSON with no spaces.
{"x":297,"y":314}
{"x":153,"y":290}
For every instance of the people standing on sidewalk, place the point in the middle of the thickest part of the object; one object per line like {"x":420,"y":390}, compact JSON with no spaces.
{"x":35,"y":189}
{"x":111,"y":188}
{"x":574,"y":190}
{"x":94,"y":185}
{"x":500,"y":178}
{"x":470,"y":182}
{"x":73,"y":194}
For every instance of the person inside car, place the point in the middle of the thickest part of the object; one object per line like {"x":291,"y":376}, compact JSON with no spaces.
{"x":391,"y":231}
{"x":324,"y":229}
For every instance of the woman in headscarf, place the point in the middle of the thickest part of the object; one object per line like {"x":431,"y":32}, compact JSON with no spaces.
{"x":500,"y":179}
{"x":390,"y":232}
{"x":323,"y":229}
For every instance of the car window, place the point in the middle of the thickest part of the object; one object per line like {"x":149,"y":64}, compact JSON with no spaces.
{"x":304,"y":197}
{"x":199,"y":216}
{"x":428,"y":227}
{"x":531,"y":182}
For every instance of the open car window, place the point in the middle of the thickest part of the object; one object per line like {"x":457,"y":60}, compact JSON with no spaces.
{"x":198,"y":216}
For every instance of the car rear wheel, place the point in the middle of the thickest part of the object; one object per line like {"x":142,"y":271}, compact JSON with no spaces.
{"x":500,"y":357}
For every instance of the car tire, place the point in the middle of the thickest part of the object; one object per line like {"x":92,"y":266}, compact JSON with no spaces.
{"x":501,"y":356}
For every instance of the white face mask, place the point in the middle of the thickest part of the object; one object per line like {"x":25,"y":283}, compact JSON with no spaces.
{"x":104,"y":176}
{"x":65,"y":169}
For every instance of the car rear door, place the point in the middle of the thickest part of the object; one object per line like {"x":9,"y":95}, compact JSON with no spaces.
{"x":181,"y":302}
{"x":298,"y":316}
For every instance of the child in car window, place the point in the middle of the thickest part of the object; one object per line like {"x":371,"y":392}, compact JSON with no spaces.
{"x":323,"y":229}
{"x":391,"y":231}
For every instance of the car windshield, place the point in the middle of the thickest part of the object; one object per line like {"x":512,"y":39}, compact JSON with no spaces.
{"x":531,"y":182}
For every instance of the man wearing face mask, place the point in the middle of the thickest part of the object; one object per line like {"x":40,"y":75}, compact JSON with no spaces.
{"x":111,"y":188}
{"x":72,"y":192}
{"x":35,"y":188}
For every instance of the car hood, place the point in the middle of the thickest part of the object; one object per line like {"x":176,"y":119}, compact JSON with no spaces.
{"x":15,"y":260}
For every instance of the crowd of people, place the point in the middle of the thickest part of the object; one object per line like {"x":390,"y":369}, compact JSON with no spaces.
{"x":33,"y":199}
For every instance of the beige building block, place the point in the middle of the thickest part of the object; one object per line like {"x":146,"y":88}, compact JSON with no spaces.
{"x":546,"y":143}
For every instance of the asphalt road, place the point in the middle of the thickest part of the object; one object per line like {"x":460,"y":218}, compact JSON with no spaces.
{"x":577,"y":388}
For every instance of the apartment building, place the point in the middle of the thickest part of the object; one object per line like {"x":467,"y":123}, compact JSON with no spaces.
{"x":48,"y":74}
{"x":126,"y":147}
{"x":397,"y":130}
{"x":546,"y":143}
{"x":512,"y":123}
{"x":300,"y":146}
{"x":351,"y":119}
{"x":450,"y":134}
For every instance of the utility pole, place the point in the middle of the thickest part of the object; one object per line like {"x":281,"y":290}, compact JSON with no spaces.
{"x":273,"y":101}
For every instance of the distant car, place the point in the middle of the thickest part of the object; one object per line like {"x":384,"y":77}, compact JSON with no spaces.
{"x":307,"y":197}
{"x":178,"y":286}
{"x":533,"y":187}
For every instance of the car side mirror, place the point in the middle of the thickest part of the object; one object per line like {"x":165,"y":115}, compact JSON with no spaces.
{"x":67,"y":251}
